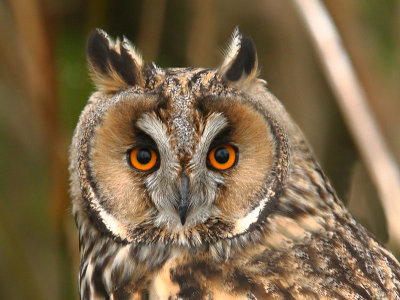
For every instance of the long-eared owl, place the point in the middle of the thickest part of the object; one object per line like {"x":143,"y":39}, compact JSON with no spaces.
{"x":192,"y":183}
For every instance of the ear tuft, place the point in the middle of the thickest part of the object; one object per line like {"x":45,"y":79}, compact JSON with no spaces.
{"x":241,"y":63}
{"x":113,"y":65}
{"x":244,"y":61}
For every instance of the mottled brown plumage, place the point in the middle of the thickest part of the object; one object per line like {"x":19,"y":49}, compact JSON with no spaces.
{"x":268,"y":227}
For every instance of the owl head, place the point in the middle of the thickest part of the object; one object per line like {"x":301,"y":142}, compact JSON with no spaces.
{"x":177,"y":155}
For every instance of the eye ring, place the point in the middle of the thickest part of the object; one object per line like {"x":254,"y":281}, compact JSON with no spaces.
{"x":142,"y":159}
{"x":222,"y":157}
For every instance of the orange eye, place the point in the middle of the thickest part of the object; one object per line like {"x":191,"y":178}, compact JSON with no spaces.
{"x":142,"y":159}
{"x":222,"y":157}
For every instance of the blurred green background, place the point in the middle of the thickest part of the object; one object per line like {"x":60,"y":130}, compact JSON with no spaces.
{"x":44,"y":86}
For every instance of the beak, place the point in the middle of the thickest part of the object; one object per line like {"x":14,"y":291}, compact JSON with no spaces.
{"x":183,"y":204}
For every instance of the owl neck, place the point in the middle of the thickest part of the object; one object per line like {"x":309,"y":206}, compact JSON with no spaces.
{"x":308,"y":206}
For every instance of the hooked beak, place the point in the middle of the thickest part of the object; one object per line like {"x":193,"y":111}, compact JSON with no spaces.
{"x":183,"y":204}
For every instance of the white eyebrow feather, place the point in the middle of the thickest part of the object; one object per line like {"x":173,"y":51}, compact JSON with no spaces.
{"x":216,"y":122}
{"x":155,"y":128}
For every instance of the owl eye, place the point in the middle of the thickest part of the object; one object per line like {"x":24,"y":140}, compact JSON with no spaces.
{"x":222,"y":157}
{"x":142,"y":159}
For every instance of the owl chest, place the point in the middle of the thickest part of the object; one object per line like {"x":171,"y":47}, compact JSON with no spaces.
{"x":185,"y":278}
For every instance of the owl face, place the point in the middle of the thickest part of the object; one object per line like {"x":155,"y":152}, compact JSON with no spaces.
{"x":182,"y":155}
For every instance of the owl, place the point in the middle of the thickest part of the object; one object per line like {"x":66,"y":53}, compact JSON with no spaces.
{"x":193,"y":183}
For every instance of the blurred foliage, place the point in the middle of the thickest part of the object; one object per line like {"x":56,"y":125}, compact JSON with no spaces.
{"x":44,"y":86}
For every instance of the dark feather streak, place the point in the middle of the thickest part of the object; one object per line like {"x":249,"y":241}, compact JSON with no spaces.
{"x":105,"y":59}
{"x":244,"y":60}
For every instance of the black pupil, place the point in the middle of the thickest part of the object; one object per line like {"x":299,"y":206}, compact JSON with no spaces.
{"x":143,"y":156}
{"x":221,"y":155}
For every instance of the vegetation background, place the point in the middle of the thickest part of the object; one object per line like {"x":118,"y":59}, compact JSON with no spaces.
{"x":44,"y":85}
